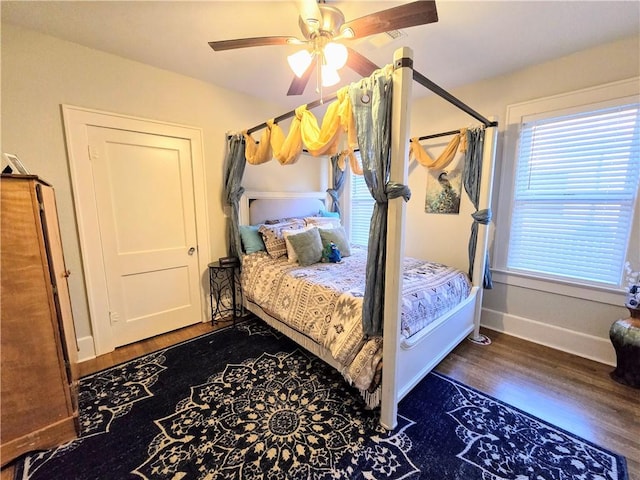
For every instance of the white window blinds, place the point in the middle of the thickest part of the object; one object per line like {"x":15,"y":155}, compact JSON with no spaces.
{"x":575,"y":189}
{"x":361,"y":210}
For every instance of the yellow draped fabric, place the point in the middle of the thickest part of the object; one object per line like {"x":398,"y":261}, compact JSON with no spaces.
{"x":338,"y":119}
{"x":304,"y":129}
{"x":258,"y":153}
{"x":416,"y":152}
{"x":273,"y":143}
{"x":356,"y":165}
{"x":287,"y":149}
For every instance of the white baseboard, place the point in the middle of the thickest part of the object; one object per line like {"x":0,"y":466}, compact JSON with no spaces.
{"x":577,"y":343}
{"x":86,"y":349}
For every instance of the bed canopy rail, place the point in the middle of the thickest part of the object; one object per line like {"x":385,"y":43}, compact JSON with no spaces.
{"x":291,"y":113}
{"x":441,"y":134}
{"x":418,"y":77}
{"x":441,"y":92}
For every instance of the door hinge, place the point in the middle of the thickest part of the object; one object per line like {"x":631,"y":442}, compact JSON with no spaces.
{"x":93,"y":153}
{"x":114,"y":317}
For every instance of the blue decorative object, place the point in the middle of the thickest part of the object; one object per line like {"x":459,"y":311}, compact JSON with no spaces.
{"x":331,"y":254}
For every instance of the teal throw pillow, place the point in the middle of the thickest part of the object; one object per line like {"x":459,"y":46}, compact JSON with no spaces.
{"x":307,"y":245}
{"x":326,"y":213}
{"x":251,"y":239}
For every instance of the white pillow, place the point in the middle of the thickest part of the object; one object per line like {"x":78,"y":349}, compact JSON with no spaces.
{"x":322,"y":222}
{"x":291,"y":254}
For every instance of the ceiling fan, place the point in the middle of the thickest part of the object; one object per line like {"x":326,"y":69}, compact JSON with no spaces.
{"x":324,"y":29}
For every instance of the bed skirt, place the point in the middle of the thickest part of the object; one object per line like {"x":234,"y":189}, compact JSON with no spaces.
{"x":371,"y":398}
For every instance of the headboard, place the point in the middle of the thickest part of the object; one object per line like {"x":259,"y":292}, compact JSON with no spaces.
{"x":256,"y":207}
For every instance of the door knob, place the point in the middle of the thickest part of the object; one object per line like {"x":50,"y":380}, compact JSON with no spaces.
{"x":192,"y":250}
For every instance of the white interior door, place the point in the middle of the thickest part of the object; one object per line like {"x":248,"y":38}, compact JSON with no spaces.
{"x":145,"y":206}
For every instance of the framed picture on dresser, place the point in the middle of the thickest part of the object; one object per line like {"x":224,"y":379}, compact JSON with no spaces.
{"x":16,"y":165}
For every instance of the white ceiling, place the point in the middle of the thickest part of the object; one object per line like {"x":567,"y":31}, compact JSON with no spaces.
{"x":473,"y":40}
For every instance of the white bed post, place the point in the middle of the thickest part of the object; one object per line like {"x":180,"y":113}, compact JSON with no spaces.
{"x":400,"y":113}
{"x":480,"y":260}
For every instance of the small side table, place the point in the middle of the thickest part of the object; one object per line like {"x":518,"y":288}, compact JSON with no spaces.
{"x":225,"y":293}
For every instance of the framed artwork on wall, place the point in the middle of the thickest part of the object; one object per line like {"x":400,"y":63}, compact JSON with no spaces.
{"x":443,"y":192}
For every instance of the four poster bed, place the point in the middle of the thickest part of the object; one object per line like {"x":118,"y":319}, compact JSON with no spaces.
{"x":405,"y":358}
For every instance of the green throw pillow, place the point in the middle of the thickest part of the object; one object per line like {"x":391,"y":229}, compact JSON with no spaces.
{"x":308,"y":246}
{"x":337,"y":236}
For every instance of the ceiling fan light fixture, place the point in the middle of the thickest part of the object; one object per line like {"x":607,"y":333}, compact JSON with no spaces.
{"x":336,"y":55}
{"x":300,"y":61}
{"x":322,"y":24}
{"x":312,"y":22}
{"x":329,"y":75}
{"x":347,"y":32}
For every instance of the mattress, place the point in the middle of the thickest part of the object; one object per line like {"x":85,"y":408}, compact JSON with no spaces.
{"x":323,"y":302}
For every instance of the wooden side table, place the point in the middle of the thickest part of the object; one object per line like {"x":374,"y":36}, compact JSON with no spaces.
{"x":625,"y":337}
{"x":225,"y":293}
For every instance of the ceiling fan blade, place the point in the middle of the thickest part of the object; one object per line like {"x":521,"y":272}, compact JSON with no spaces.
{"x":403,"y":16}
{"x":253,"y":42}
{"x":360,"y":64}
{"x":299,"y":84}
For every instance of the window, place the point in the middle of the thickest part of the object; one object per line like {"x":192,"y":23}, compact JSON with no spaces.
{"x":575,"y":190}
{"x":570,"y":187}
{"x":361,"y":210}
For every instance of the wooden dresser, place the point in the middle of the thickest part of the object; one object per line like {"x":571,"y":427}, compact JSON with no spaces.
{"x":38,"y":397}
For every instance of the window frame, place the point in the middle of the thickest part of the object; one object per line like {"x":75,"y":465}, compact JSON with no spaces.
{"x":611,"y":94}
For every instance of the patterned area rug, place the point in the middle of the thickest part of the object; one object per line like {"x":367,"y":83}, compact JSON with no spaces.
{"x":249,"y":404}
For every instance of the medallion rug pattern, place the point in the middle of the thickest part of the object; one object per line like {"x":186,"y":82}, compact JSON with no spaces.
{"x":247,"y":403}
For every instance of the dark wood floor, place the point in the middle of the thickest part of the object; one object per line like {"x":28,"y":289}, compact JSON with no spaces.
{"x":568,"y":391}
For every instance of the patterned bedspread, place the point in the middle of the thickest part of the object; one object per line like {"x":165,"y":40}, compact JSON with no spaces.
{"x":323,"y":301}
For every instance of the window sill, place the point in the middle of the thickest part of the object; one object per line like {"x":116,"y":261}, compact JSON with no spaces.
{"x":611,"y":296}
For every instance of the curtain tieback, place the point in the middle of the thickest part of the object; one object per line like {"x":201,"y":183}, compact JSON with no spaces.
{"x":395,"y":190}
{"x":482,"y":216}
{"x":333,"y":193}
{"x":237,"y":194}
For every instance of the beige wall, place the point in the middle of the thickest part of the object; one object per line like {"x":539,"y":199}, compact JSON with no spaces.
{"x":308,"y":174}
{"x":569,"y":323}
{"x":39,"y":73}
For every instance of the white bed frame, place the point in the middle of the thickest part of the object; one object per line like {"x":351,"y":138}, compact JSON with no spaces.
{"x":405,"y":362}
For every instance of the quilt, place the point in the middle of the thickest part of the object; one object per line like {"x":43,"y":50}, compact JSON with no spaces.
{"x":323,"y":302}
